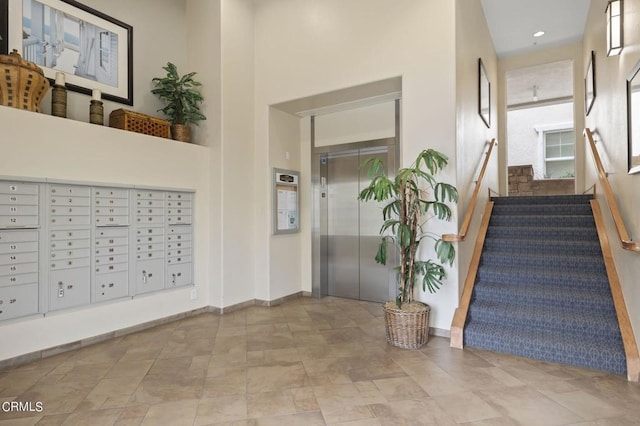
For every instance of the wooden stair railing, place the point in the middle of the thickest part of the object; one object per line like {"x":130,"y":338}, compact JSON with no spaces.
{"x":474,"y":199}
{"x":626,"y":330}
{"x":623,"y":234}
{"x":460,"y":315}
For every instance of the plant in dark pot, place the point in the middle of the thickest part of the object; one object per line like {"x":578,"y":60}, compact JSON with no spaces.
{"x":183,"y":99}
{"x":413,"y":197}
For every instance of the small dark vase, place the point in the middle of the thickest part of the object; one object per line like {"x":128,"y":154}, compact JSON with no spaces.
{"x":181,"y":132}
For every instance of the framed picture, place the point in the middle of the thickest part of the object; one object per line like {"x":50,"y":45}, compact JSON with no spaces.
{"x":484,"y":94}
{"x":633,"y":119}
{"x":91,"y":49}
{"x":590,"y":84}
{"x":4,"y":27}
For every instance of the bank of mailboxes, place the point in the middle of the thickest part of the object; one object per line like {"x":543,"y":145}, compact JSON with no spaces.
{"x":69,"y":245}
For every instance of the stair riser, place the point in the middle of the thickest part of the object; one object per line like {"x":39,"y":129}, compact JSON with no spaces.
{"x":537,"y":200}
{"x":515,"y":276}
{"x":546,"y":209}
{"x":543,"y":221}
{"x":538,"y":233}
{"x":532,"y":246}
{"x":549,"y":262}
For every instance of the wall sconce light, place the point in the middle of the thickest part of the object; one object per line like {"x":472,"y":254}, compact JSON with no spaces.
{"x":614,"y":27}
{"x":535,"y":93}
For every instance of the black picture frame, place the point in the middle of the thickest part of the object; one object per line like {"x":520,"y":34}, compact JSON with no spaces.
{"x":590,"y":84}
{"x":4,"y":27}
{"x":102,"y":47}
{"x":484,"y":94}
{"x":633,"y":119}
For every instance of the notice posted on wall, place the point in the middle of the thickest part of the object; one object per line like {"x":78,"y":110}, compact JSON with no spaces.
{"x":287,"y":201}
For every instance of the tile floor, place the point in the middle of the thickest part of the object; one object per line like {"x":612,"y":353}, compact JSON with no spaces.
{"x":305,"y":362}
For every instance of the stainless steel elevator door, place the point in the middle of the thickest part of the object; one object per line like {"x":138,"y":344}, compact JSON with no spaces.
{"x":352,"y":230}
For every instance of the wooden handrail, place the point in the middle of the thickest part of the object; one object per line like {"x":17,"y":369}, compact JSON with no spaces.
{"x":474,"y":199}
{"x":460,"y":315}
{"x":626,"y":330}
{"x":625,"y":241}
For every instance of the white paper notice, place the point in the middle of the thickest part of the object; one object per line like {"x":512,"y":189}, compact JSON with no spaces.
{"x":287,"y":209}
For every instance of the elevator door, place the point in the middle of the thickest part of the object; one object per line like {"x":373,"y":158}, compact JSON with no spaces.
{"x":352,"y":230}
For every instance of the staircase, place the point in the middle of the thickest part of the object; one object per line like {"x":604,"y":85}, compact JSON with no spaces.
{"x":541,"y":290}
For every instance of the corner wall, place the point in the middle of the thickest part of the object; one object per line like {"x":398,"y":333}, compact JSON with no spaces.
{"x":473,"y":41}
{"x":305,"y":47}
{"x":609,"y":117}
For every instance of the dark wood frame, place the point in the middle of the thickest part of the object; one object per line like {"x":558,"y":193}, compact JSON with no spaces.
{"x":484,"y":85}
{"x":4,"y":27}
{"x":590,"y":84}
{"x":121,"y":94}
{"x":631,"y":116}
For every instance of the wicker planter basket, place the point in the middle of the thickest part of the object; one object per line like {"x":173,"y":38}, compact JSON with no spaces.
{"x":406,"y":329}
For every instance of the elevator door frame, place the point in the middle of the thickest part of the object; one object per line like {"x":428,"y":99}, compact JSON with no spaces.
{"x":319,"y":261}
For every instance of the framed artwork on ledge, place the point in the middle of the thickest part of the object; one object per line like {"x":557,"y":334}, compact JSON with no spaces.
{"x":64,"y":37}
{"x":484,"y":94}
{"x":590,"y":84}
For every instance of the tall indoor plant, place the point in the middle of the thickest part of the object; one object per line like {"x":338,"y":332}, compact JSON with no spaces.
{"x":182,"y":99}
{"x":413,"y":196}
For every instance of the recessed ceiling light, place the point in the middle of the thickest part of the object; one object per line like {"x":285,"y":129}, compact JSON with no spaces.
{"x":538,"y":34}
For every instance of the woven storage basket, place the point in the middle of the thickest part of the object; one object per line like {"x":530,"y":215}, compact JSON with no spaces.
{"x":408,"y":330}
{"x":22,"y":83}
{"x":139,"y":123}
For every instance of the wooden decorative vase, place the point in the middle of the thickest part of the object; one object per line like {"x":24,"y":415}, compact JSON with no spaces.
{"x":181,"y":132}
{"x":22,"y":83}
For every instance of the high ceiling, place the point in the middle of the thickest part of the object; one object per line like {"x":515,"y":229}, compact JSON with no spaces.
{"x":513,"y":22}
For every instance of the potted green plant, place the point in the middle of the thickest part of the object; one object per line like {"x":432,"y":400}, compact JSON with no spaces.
{"x":413,"y":196}
{"x":182,"y":99}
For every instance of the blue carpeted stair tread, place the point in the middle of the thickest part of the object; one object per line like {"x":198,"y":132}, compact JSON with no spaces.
{"x":547,"y":345}
{"x":567,"y":320}
{"x":545,"y":278}
{"x":542,"y":289}
{"x":595,"y":301}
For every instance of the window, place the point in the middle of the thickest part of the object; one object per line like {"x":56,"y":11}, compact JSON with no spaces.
{"x":559,"y":153}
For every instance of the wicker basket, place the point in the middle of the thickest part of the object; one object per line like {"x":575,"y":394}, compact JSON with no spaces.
{"x":139,"y":123}
{"x":22,"y":83}
{"x":407,"y":329}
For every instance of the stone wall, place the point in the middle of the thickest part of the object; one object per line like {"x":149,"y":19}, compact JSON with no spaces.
{"x":521,"y":182}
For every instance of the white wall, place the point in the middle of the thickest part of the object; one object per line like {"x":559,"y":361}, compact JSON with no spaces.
{"x":204,"y":34}
{"x":525,"y":147}
{"x":608,"y":116}
{"x":340,"y":44}
{"x":39,"y":145}
{"x":284,"y":152}
{"x":356,"y":125}
{"x":473,"y":41}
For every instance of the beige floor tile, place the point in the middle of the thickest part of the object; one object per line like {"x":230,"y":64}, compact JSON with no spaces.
{"x":275,"y":377}
{"x":221,"y":410}
{"x":174,"y":413}
{"x":400,"y":389}
{"x":466,"y":407}
{"x":306,"y":362}
{"x":529,"y":407}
